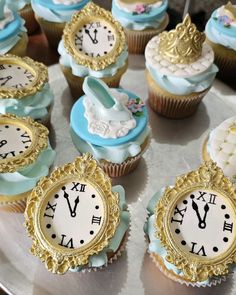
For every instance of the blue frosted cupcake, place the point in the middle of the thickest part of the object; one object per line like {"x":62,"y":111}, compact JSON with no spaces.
{"x":25,"y":157}
{"x":24,"y":8}
{"x":13,"y":36}
{"x":142,"y":20}
{"x":221,"y":35}
{"x":52,"y":16}
{"x":24,"y":88}
{"x":111,"y":124}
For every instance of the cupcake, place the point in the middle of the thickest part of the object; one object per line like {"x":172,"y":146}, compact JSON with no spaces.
{"x":190,"y":228}
{"x":111,"y":124}
{"x":141,"y":20}
{"x":93,"y":44}
{"x":220,"y":147}
{"x":24,"y":88}
{"x":76,"y":219}
{"x":13,"y":36}
{"x":52,"y":15}
{"x":180,"y":70}
{"x":25,"y":157}
{"x":221,"y":35}
{"x":23,"y":7}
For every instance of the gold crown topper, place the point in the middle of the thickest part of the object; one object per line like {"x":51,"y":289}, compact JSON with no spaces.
{"x":182,"y":45}
{"x":230,"y":10}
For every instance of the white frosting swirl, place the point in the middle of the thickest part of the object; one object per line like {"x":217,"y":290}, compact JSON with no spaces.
{"x":8,"y":17}
{"x":108,"y":129}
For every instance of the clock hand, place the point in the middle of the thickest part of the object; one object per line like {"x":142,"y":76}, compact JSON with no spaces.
{"x":95,"y":36}
{"x":66,"y":196}
{"x":2,"y":143}
{"x":6,"y":80}
{"x":195,"y":208}
{"x":202,"y":224}
{"x":76,"y":203}
{"x":95,"y":41}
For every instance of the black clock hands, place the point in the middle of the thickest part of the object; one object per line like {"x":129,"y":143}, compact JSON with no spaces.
{"x":72,"y":212}
{"x":2,"y":143}
{"x":94,"y":40}
{"x":202,"y":222}
{"x":6,"y":80}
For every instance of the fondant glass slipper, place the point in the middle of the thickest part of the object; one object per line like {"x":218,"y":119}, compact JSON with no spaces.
{"x":108,"y":107}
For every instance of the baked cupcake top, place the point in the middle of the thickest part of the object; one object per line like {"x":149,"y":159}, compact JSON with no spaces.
{"x":58,"y":11}
{"x":25,"y":154}
{"x":139,"y":15}
{"x":179,"y":60}
{"x":24,"y":87}
{"x":75,"y":217}
{"x":221,"y":147}
{"x":191,"y":226}
{"x":11,"y":28}
{"x":221,"y":27}
{"x":93,"y":43}
{"x":111,"y":123}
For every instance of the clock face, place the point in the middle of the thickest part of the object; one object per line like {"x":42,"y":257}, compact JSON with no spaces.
{"x":73,"y":216}
{"x":15,"y":76}
{"x":95,"y":39}
{"x":14,"y":141}
{"x":203,"y":224}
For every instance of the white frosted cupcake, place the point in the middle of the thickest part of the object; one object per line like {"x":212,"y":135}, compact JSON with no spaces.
{"x":13,"y":36}
{"x":221,"y":147}
{"x":180,"y":70}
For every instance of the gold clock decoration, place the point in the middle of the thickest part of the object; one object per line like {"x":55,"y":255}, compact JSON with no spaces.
{"x":21,"y":142}
{"x":183,"y":44}
{"x":196,"y":223}
{"x":72,"y":214}
{"x":21,"y":76}
{"x":94,"y":38}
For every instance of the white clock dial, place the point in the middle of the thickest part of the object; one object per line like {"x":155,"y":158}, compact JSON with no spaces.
{"x":15,"y":76}
{"x":73,"y":215}
{"x":203,"y":224}
{"x":14,"y":141}
{"x":95,"y":39}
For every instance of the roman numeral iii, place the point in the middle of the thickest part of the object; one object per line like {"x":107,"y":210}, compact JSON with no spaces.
{"x":96,"y":220}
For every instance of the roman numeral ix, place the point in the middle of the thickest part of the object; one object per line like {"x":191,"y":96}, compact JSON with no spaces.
{"x":50,"y":210}
{"x":180,"y":215}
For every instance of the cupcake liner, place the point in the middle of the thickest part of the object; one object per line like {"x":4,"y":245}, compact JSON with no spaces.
{"x":118,"y":170}
{"x":170,"y":105}
{"x":21,"y":46}
{"x":52,"y":30}
{"x":137,"y":40}
{"x":225,"y":59}
{"x":75,"y":83}
{"x":27,"y":14}
{"x":14,"y":204}
{"x":171,"y":275}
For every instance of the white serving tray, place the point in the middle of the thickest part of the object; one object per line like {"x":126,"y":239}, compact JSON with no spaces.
{"x":175,"y":149}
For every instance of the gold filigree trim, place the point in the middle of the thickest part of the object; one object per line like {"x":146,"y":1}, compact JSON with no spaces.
{"x":38,"y":70}
{"x":92,"y":12}
{"x":183,"y":44}
{"x":56,"y":259}
{"x":194,"y":269}
{"x":39,"y":141}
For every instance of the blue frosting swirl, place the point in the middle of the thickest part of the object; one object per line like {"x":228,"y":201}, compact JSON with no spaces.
{"x":17,"y":5}
{"x":81,"y":71}
{"x":184,"y":86}
{"x":50,"y":11}
{"x":219,"y":34}
{"x":101,"y":259}
{"x":152,"y":19}
{"x":25,"y":179}
{"x":35,"y":106}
